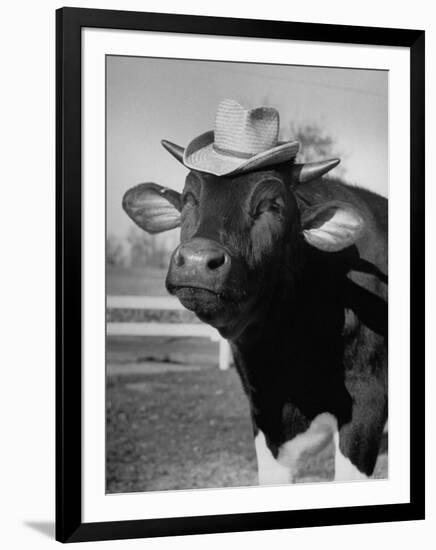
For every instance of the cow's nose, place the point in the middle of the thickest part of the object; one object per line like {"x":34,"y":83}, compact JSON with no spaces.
{"x":199,"y":262}
{"x":201,"y":254}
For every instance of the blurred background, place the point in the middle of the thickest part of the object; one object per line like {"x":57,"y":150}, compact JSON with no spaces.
{"x":176,"y":414}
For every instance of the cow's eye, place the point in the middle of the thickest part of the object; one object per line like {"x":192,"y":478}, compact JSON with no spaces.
{"x":274,"y":206}
{"x":189,"y":199}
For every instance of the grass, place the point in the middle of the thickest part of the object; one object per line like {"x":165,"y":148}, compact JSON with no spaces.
{"x":123,"y":350}
{"x":135,"y":281}
{"x":178,"y":431}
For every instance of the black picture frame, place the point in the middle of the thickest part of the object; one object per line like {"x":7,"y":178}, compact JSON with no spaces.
{"x":69,"y":525}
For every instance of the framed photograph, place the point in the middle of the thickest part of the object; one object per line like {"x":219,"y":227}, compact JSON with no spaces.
{"x":240,"y":231}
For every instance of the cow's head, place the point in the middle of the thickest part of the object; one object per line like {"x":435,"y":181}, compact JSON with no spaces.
{"x":240,"y":236}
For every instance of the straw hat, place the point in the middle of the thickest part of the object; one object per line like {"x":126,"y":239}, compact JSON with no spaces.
{"x":242,"y":140}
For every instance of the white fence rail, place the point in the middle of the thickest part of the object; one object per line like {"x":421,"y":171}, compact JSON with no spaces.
{"x":153,"y":328}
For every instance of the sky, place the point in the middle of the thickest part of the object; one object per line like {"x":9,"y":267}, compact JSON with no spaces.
{"x":149,"y":99}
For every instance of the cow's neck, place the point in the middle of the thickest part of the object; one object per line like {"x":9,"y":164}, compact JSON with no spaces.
{"x":292,"y":350}
{"x":301,"y":306}
{"x":271,"y":322}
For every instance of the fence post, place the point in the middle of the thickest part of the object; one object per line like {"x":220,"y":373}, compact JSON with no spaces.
{"x":155,"y":328}
{"x":224,"y":354}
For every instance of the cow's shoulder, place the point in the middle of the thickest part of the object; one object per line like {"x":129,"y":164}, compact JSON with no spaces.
{"x":326,"y":189}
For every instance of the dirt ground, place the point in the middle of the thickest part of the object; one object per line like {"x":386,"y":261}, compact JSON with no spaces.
{"x":174,"y":421}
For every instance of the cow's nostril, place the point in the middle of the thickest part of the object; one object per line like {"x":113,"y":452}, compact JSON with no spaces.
{"x":216,"y":261}
{"x":179,"y":259}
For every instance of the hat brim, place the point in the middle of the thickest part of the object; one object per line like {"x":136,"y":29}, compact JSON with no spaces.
{"x":200,"y":155}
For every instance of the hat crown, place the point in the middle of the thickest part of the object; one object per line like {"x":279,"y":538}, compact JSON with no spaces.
{"x":245,"y":132}
{"x":242,"y":140}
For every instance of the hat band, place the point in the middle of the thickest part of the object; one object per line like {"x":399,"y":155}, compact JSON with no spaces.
{"x":232,"y":153}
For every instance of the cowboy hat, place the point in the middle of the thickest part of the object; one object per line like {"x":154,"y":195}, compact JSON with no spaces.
{"x":242,"y":140}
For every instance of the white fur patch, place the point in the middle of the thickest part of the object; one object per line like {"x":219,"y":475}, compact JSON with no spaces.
{"x":345,"y":470}
{"x":270,"y":472}
{"x":281,"y":470}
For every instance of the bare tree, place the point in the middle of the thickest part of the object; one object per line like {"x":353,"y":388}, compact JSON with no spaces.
{"x":147,"y":250}
{"x":114,"y":250}
{"x":315,"y":143}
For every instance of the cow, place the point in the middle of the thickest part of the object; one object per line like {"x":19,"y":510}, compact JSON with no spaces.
{"x":290,"y":266}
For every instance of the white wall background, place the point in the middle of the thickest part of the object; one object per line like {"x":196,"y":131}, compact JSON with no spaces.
{"x":27,"y":275}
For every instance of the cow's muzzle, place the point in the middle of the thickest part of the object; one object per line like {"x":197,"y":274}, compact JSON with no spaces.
{"x":198,"y":265}
{"x":210,"y":282}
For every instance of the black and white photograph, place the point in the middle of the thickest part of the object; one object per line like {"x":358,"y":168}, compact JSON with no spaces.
{"x":217,"y":306}
{"x":246,"y":274}
{"x":240,"y":231}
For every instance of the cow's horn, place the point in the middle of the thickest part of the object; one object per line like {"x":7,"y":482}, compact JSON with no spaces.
{"x":174,"y":149}
{"x":303,"y":173}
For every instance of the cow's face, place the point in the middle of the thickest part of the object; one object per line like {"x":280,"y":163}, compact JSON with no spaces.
{"x":241,"y":237}
{"x":234,"y":232}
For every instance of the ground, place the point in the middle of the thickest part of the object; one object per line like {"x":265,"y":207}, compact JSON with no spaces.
{"x":181,"y":423}
{"x":174,"y":420}
{"x":135,"y":281}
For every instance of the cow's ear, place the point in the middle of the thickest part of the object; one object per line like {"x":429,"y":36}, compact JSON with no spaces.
{"x":153,"y":207}
{"x":332,"y":226}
